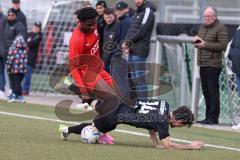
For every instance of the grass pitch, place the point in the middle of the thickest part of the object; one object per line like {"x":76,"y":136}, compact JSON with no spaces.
{"x":34,"y":139}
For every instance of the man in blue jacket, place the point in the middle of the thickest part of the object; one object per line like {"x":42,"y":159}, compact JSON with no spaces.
{"x":137,"y":43}
{"x":234,"y":56}
{"x":124,"y":17}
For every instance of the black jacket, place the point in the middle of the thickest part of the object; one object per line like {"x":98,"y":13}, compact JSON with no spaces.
{"x":33,"y":41}
{"x":12,"y":29}
{"x":2,"y":41}
{"x":141,"y":30}
{"x":110,"y":41}
{"x":234,"y":53}
{"x":100,"y":27}
{"x":22,"y":18}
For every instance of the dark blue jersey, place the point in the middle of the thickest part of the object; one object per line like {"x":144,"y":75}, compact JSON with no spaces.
{"x":150,"y":114}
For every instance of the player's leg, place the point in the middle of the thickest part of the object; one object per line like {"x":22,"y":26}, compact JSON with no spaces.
{"x":65,"y":130}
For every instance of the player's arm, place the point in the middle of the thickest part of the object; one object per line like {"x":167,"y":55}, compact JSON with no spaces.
{"x":169,"y":144}
{"x":154,"y":138}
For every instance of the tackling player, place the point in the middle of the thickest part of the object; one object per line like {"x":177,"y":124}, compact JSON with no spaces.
{"x":153,"y":115}
{"x":86,"y":66}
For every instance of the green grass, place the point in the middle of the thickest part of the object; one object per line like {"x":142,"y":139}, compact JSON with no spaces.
{"x":30,"y":139}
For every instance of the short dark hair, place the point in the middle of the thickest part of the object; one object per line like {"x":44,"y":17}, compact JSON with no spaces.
{"x":109,"y":11}
{"x":87,"y":13}
{"x":101,"y":3}
{"x":16,"y":1}
{"x":184,"y":114}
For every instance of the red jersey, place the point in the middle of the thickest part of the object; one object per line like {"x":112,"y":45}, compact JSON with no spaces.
{"x":86,"y":66}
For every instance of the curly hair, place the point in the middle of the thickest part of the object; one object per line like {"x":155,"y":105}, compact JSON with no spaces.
{"x":87,"y":13}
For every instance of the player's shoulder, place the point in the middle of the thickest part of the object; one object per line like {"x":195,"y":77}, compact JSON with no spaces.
{"x":153,"y":102}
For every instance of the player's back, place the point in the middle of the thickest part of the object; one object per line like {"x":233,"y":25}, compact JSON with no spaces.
{"x":148,"y":114}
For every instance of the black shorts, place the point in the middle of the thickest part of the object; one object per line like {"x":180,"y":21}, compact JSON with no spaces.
{"x":106,"y":123}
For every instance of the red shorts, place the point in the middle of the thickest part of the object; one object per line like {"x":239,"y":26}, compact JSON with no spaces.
{"x":88,"y":80}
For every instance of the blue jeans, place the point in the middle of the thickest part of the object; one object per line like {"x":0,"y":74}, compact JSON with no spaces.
{"x":238,"y":84}
{"x":137,"y":72}
{"x":2,"y":74}
{"x":27,"y":79}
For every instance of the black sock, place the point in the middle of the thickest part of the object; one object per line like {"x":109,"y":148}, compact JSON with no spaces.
{"x":78,"y":129}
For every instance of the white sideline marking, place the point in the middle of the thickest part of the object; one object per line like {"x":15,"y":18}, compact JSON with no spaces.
{"x":117,"y":130}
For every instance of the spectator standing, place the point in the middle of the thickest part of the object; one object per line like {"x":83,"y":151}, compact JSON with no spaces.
{"x":20,"y":15}
{"x":234,"y":56}
{"x":100,"y":8}
{"x":212,"y":40}
{"x":110,"y":38}
{"x":17,"y":67}
{"x":13,"y":28}
{"x":139,"y":35}
{"x":125,"y":20}
{"x":2,"y":55}
{"x":33,"y":41}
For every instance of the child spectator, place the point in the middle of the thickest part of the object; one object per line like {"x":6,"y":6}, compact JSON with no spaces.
{"x":17,"y":67}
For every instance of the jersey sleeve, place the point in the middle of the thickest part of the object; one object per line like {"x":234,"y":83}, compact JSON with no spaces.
{"x":163,"y":130}
{"x":163,"y":126}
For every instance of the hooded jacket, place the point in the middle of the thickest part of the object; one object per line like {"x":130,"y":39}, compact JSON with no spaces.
{"x":141,"y":30}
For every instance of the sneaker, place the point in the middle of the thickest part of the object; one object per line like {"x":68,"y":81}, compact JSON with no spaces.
{"x":83,"y":107}
{"x":237,"y":127}
{"x":63,"y":132}
{"x":12,"y":98}
{"x":3,"y":95}
{"x":21,"y":99}
{"x":105,"y":139}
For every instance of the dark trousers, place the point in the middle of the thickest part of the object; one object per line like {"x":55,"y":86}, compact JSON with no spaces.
{"x":15,"y":81}
{"x":210,"y":87}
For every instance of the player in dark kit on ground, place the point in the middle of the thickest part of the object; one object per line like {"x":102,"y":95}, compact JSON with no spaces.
{"x":153,"y":115}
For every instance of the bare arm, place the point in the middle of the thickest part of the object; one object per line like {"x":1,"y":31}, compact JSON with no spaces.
{"x":195,"y":145}
{"x":168,"y":144}
{"x":154,"y":138}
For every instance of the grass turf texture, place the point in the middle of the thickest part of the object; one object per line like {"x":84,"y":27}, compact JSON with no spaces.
{"x":27,"y":139}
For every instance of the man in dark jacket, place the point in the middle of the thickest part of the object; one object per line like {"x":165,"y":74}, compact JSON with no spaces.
{"x":139,"y":35}
{"x":234,"y":56}
{"x":100,"y":7}
{"x":110,"y":38}
{"x":20,"y":15}
{"x":125,"y":20}
{"x":33,"y":41}
{"x":211,"y":41}
{"x":13,"y":27}
{"x":2,"y":48}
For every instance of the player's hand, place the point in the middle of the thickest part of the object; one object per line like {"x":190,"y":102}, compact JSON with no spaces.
{"x":197,"y":145}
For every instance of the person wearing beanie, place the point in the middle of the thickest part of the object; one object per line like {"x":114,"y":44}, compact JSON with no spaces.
{"x":20,"y":15}
{"x":13,"y":28}
{"x":86,"y":66}
{"x":125,"y":20}
{"x":100,"y":7}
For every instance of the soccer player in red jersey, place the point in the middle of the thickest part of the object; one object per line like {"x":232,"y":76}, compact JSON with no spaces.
{"x":86,"y":66}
